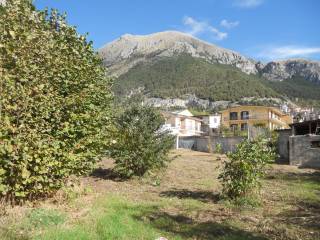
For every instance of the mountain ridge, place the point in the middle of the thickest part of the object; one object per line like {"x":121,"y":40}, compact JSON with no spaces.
{"x":173,"y":65}
{"x":167,"y":44}
{"x":125,"y":52}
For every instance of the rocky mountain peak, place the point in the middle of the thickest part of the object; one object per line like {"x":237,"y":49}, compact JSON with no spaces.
{"x":284,"y":69}
{"x":127,"y":51}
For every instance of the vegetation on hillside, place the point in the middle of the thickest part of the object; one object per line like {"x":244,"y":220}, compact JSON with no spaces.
{"x":54,"y":102}
{"x":298,"y":89}
{"x":183,"y":74}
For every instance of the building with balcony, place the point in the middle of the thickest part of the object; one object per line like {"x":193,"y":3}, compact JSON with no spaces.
{"x":182,"y":123}
{"x":242,"y":117}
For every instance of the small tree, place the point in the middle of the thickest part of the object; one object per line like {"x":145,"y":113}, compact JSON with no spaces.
{"x":142,"y":145}
{"x":54,"y":101}
{"x":242,"y":173}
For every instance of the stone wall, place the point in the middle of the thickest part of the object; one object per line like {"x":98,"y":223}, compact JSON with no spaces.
{"x":283,"y":146}
{"x":304,"y":150}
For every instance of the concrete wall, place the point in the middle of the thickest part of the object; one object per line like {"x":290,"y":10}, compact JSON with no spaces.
{"x":283,"y":146}
{"x":301,"y":151}
{"x":206,"y":144}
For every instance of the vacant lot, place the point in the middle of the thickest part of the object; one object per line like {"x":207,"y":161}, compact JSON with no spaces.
{"x":182,"y":203}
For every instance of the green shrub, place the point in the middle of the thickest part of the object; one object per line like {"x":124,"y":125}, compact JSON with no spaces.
{"x":54,"y":102}
{"x":218,"y":148}
{"x":141,"y":144}
{"x":242,"y":173}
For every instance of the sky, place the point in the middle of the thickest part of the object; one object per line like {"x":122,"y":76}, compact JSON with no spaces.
{"x":261,"y":29}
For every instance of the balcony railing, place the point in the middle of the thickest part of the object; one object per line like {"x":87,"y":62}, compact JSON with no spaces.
{"x":247,"y":117}
{"x":184,"y":131}
{"x":254,"y":117}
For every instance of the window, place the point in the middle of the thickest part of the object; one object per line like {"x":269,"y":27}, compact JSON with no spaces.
{"x":244,"y":115}
{"x":233,"y":127}
{"x":233,"y":116}
{"x":244,"y":127}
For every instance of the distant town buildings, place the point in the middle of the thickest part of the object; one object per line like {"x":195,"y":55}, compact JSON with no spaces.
{"x":300,"y":114}
{"x":240,"y":118}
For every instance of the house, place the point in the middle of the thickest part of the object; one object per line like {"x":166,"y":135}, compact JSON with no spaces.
{"x":301,"y":144}
{"x":242,"y":117}
{"x":182,"y":123}
{"x":210,"y":123}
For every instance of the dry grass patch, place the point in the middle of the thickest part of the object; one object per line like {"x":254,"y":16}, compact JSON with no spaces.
{"x":183,"y":203}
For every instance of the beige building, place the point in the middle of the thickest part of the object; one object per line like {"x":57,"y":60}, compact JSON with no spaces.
{"x":241,"y":117}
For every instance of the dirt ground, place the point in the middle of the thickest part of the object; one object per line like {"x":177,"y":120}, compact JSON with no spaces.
{"x":188,"y":171}
{"x":286,"y":212}
{"x":187,"y":194}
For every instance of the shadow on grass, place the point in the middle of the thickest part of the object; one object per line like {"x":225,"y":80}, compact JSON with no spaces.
{"x":306,"y":214}
{"x":304,"y":192}
{"x":106,"y":174}
{"x":185,"y":227}
{"x":312,"y":177}
{"x":203,"y":196}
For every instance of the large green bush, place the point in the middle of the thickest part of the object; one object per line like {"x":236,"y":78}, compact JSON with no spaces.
{"x":54,"y":101}
{"x":141,"y":143}
{"x":242,"y":173}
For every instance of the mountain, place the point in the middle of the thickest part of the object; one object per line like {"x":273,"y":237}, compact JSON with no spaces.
{"x":281,"y":70}
{"x":129,"y":50}
{"x":173,"y":64}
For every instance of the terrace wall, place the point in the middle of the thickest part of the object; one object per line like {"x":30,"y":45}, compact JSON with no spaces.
{"x":208,"y":144}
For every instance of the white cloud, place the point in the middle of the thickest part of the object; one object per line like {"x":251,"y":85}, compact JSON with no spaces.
{"x":200,"y":27}
{"x":247,"y":3}
{"x":225,"y":23}
{"x":288,"y":52}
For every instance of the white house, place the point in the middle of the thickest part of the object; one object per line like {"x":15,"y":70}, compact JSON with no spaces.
{"x":210,"y":122}
{"x":182,"y":123}
{"x":215,"y":121}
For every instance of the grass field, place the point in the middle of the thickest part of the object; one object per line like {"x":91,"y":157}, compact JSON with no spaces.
{"x":182,"y":203}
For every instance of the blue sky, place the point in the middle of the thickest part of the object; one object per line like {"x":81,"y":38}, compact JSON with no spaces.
{"x":261,"y":29}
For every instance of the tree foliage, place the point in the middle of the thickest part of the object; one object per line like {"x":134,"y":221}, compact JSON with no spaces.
{"x":243,"y":171}
{"x":296,"y":87}
{"x":141,"y":143}
{"x":54,"y":101}
{"x":184,"y":74}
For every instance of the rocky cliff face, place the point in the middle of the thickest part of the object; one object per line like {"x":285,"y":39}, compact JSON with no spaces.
{"x":280,"y":70}
{"x":122,"y":54}
{"x":129,"y":50}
